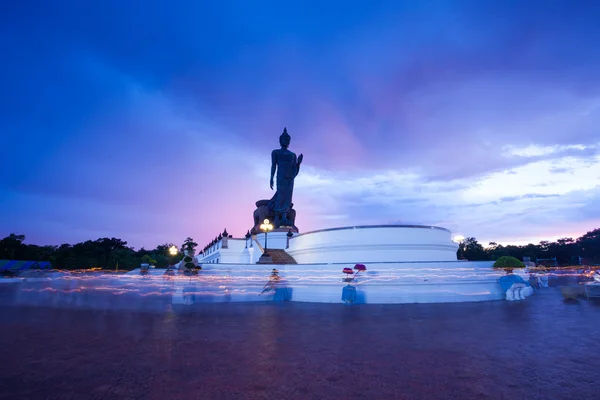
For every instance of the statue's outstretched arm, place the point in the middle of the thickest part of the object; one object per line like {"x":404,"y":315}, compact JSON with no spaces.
{"x":273,"y":166}
{"x":300,"y":158}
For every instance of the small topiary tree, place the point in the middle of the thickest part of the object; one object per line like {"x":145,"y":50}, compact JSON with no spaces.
{"x":508,"y":263}
{"x":189,"y":249}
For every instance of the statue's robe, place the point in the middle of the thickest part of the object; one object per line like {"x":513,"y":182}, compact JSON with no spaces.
{"x":287,"y":169}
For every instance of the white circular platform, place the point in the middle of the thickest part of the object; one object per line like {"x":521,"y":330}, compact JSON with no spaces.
{"x":373,"y":243}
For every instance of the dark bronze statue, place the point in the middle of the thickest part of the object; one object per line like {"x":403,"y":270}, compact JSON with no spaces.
{"x":279,"y":208}
{"x":287,"y":166}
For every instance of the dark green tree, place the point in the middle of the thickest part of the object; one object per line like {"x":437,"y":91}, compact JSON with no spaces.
{"x":189,"y":245}
{"x":12,"y":246}
{"x":472,"y":250}
{"x":589,"y":245}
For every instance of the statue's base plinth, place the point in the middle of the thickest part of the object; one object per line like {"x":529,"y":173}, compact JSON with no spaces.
{"x":265,"y":258}
{"x":286,"y":229}
{"x":263,"y":212}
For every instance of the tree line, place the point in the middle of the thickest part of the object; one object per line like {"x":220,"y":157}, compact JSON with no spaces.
{"x":112,"y":253}
{"x":105,"y":253}
{"x":567,"y":251}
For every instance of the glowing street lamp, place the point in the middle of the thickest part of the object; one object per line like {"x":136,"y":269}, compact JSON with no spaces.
{"x":266,"y":227}
{"x":458,"y":238}
{"x":173,"y":251}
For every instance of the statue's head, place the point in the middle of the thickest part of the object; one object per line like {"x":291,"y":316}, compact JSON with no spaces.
{"x":285,"y":138}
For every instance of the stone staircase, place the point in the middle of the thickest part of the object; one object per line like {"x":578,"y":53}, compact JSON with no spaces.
{"x":280,"y":256}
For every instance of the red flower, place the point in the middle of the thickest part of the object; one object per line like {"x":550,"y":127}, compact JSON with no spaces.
{"x":348,"y":271}
{"x":360,"y":267}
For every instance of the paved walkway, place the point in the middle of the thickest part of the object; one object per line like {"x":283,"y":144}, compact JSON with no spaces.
{"x":543,"y":348}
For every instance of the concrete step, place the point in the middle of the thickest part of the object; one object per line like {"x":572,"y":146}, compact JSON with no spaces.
{"x":280,"y":256}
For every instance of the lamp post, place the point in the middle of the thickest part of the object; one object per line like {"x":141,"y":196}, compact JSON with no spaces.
{"x":266,"y":227}
{"x":173,"y":251}
{"x":459,"y":239}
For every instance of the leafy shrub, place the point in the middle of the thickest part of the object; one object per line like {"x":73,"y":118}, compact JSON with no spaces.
{"x":148,"y":260}
{"x":190,"y":265}
{"x":187,"y":259}
{"x":508,"y":262}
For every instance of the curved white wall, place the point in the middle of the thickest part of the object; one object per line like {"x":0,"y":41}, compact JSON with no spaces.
{"x":376,"y":243}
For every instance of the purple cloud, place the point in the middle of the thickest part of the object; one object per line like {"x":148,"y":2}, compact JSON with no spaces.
{"x":157,"y":122}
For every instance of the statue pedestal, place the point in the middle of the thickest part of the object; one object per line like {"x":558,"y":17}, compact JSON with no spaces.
{"x":262,"y":212}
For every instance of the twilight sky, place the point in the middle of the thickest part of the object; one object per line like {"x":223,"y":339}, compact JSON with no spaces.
{"x":154,"y":120}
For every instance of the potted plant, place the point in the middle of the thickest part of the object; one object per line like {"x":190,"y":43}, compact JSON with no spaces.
{"x":147,"y":262}
{"x":275,"y":284}
{"x":508,"y":264}
{"x":189,"y":261}
{"x":349,"y":291}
